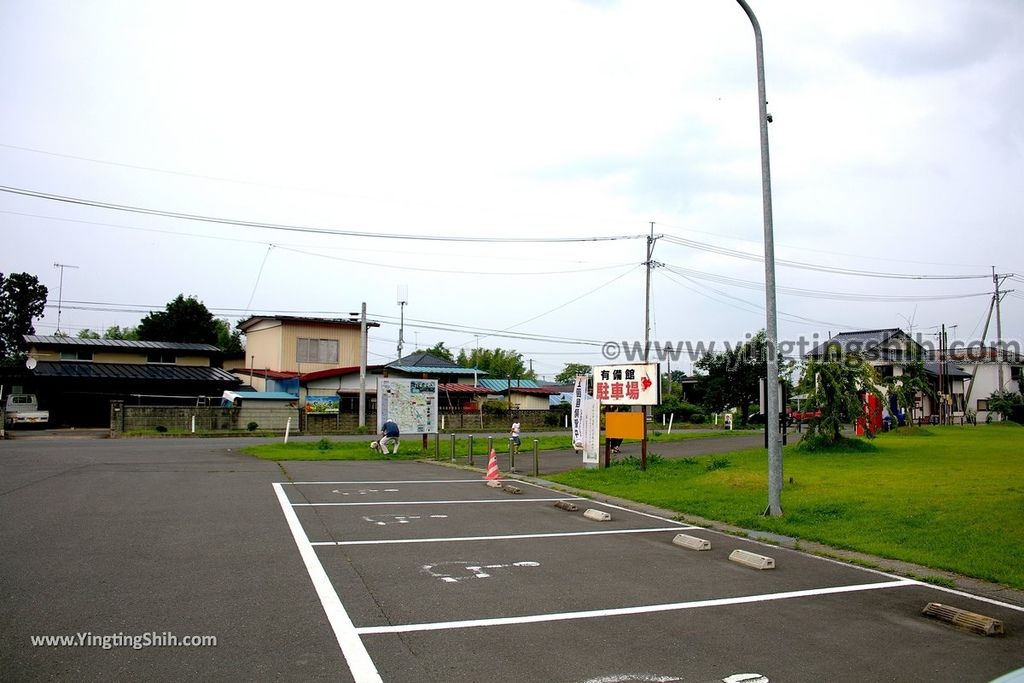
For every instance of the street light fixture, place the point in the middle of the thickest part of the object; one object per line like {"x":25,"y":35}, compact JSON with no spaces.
{"x":774,"y":508}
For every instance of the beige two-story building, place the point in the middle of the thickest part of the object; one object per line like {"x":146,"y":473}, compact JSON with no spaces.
{"x":280,"y":347}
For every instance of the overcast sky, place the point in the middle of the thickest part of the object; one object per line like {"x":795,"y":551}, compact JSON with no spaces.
{"x":897,"y":147}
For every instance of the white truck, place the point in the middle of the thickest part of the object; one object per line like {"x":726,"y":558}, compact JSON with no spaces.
{"x":23,"y":410}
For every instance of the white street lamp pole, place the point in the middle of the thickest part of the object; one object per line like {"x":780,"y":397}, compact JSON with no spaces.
{"x":771,"y":327}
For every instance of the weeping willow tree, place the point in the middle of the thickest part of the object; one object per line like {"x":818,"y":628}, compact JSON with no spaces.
{"x":834,"y":384}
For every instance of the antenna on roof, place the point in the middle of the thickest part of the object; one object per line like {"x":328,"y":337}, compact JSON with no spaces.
{"x":403,"y":299}
{"x":910,"y":321}
{"x":60,"y":291}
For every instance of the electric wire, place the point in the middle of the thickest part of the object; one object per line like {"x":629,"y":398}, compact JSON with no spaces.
{"x":735,"y":253}
{"x":300,"y":228}
{"x":818,"y":294}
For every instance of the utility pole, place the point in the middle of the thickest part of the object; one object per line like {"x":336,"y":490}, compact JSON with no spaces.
{"x":60,"y":290}
{"x":403,"y":299}
{"x":999,"y":331}
{"x":362,"y":366}
{"x":942,"y":375}
{"x":771,"y":314}
{"x":650,"y":263}
{"x":978,"y":361}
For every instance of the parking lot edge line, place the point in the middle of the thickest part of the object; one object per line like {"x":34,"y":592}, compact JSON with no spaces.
{"x":386,"y":481}
{"x":435,"y":502}
{"x":358,"y":659}
{"x":504,"y":537}
{"x":626,"y":611}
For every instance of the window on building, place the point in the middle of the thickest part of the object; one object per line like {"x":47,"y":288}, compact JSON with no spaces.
{"x":76,"y":355}
{"x":317,"y":351}
{"x":982,"y":404}
{"x":1015,"y":373}
{"x":165,"y":357}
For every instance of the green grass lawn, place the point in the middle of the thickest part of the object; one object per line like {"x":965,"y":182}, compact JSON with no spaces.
{"x":945,"y":497}
{"x":327,"y":449}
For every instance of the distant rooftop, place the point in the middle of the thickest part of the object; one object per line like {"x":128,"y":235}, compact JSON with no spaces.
{"x":347,"y":322}
{"x":122,"y":344}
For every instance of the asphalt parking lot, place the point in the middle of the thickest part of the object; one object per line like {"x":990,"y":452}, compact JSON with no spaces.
{"x":405,"y":571}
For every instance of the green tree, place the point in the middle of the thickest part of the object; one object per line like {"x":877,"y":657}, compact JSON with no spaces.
{"x":833,"y":384}
{"x":497,"y":363}
{"x":123,"y":333}
{"x":22,"y":299}
{"x":88,"y":334}
{"x":183,"y":320}
{"x":227,"y":341}
{"x":731,"y":379}
{"x":569,"y":372}
{"x":1009,"y":404}
{"x":441,"y":351}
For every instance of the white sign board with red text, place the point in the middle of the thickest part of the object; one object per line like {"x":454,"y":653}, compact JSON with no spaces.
{"x":628,"y":385}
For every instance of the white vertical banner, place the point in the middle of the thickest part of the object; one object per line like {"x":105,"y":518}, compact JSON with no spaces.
{"x":586,"y":423}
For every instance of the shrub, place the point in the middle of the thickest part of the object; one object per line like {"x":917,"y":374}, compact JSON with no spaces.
{"x":635,"y":462}
{"x":324,"y":444}
{"x":823,"y":443}
{"x":161,"y":429}
{"x":717,"y":464}
{"x":252,"y":426}
{"x":698,"y":418}
{"x":495,"y":407}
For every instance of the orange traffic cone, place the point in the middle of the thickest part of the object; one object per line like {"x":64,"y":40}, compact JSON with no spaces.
{"x":492,"y":469}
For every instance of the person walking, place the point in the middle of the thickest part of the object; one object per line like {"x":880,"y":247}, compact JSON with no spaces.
{"x":389,"y":434}
{"x":516,"y":441}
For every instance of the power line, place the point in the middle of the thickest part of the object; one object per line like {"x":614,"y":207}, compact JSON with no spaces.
{"x":280,"y":245}
{"x":383,"y":319}
{"x":735,"y":253}
{"x":570,"y":301}
{"x":299,"y":228}
{"x":833,"y":252}
{"x":819,"y":294}
{"x":453,"y":272}
{"x":792,"y":316}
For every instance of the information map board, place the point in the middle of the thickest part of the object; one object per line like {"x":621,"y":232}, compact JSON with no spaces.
{"x":411,"y":403}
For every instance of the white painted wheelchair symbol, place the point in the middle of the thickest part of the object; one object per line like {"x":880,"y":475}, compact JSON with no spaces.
{"x":476,"y":571}
{"x":363,"y":492}
{"x":379,"y":520}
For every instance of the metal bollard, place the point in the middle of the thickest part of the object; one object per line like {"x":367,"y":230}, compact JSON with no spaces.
{"x":511,"y":457}
{"x":453,"y":446}
{"x":470,"y":450}
{"x":536,"y":458}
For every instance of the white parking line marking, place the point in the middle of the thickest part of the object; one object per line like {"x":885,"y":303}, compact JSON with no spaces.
{"x":435,"y":502}
{"x":476,"y":571}
{"x":396,"y":519}
{"x":385,"y":481}
{"x":358,"y":659}
{"x":503,"y":537}
{"x":647,"y":609}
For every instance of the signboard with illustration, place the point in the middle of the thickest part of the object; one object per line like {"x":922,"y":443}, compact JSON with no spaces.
{"x":322,"y":404}
{"x":628,"y":385}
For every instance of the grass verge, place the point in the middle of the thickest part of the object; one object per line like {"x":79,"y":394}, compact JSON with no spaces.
{"x":951,"y":501}
{"x":328,"y":449}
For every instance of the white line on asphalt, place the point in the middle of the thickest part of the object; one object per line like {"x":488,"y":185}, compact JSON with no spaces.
{"x":358,"y":659}
{"x":507,"y":537}
{"x":592,"y":614}
{"x":646,"y":514}
{"x":388,"y":481}
{"x":434,"y":502}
